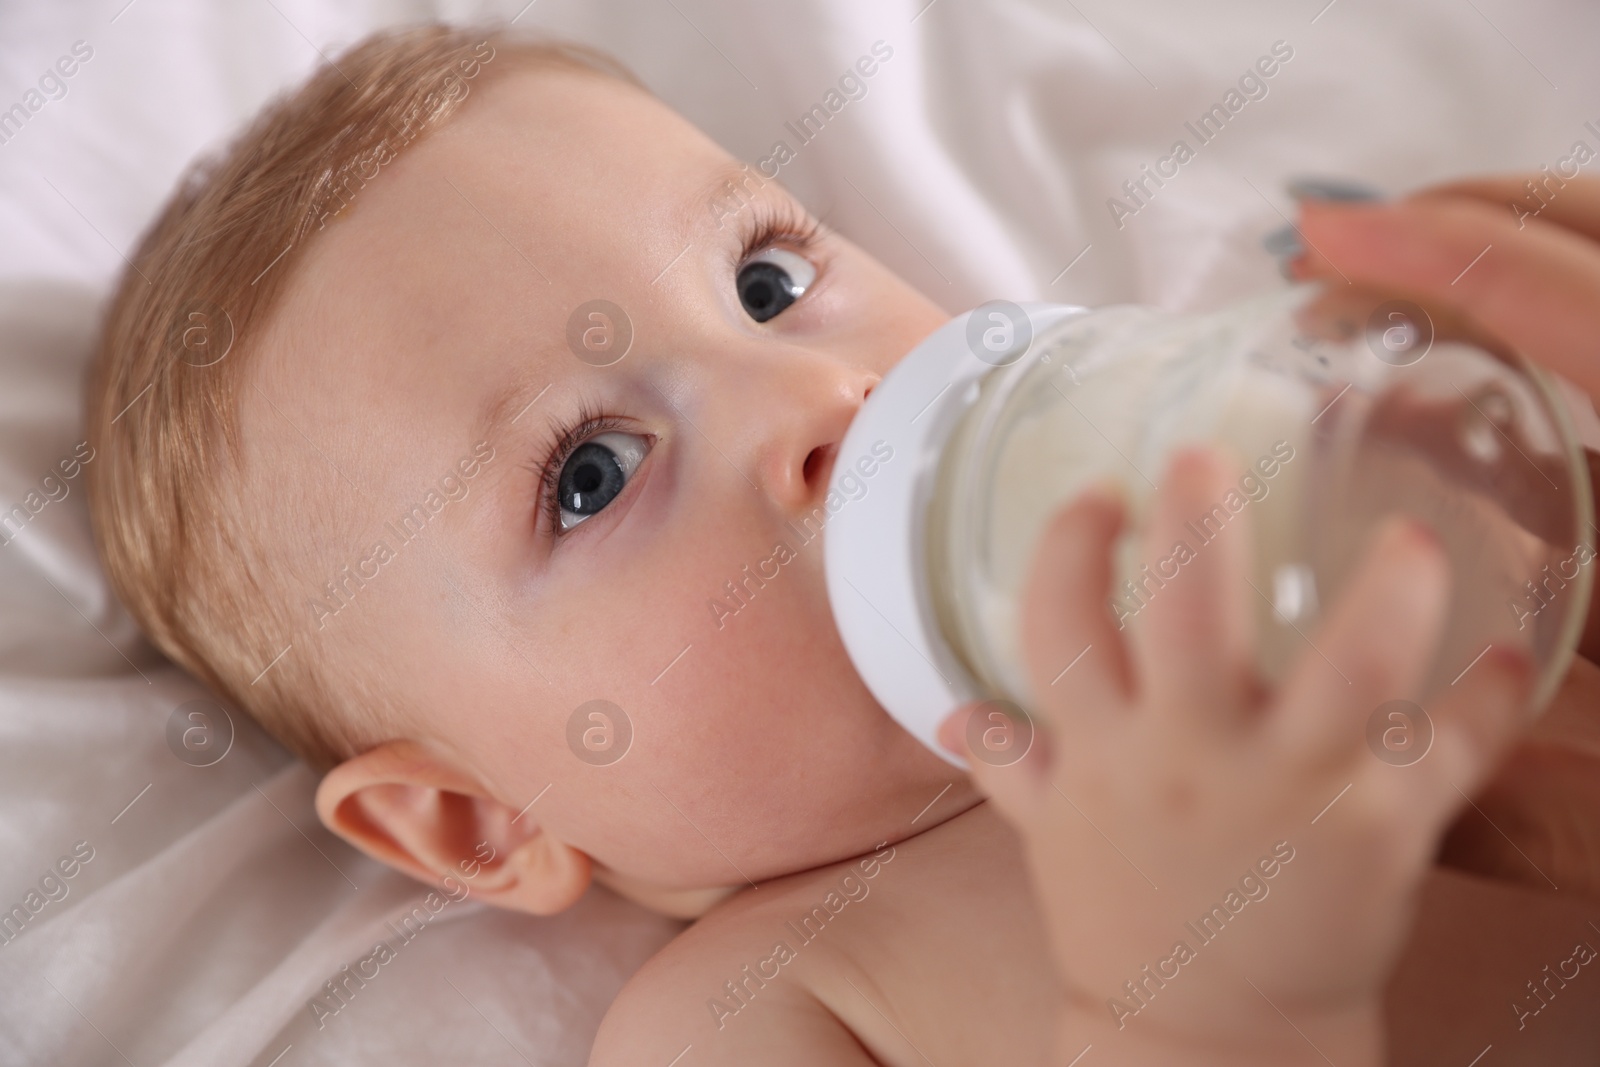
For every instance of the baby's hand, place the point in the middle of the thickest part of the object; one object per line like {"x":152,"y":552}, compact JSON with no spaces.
{"x":1227,"y":873}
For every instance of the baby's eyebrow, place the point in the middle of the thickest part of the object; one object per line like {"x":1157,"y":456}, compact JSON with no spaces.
{"x":507,"y":404}
{"x":722,"y":175}
{"x":504,"y":407}
{"x":732,"y":181}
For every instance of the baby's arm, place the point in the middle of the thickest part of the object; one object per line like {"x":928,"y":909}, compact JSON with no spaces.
{"x":1227,"y":874}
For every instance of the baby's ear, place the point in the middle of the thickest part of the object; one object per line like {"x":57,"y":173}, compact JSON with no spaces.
{"x":405,"y":806}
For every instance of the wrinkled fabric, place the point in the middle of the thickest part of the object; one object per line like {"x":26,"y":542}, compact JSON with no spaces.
{"x":982,"y":159}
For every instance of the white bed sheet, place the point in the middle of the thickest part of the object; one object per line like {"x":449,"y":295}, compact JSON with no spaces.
{"x":978,"y":165}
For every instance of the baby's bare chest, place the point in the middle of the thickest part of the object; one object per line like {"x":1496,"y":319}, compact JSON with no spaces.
{"x":940,"y":956}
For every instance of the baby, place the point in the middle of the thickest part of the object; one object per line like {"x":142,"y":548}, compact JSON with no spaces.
{"x":435,"y":418}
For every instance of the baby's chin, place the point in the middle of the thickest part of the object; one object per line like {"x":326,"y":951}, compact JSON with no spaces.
{"x":673,"y":903}
{"x":903,"y":790}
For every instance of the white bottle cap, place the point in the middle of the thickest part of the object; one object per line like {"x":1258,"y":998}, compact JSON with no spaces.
{"x":874,"y":544}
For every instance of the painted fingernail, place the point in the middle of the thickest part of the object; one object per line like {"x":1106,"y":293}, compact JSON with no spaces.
{"x":1284,"y":243}
{"x":1342,"y":190}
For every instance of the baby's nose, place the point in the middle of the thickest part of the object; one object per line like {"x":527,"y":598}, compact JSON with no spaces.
{"x":802,"y":440}
{"x":819,"y":465}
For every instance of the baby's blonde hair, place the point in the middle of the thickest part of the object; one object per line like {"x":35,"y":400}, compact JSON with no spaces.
{"x":173,"y":525}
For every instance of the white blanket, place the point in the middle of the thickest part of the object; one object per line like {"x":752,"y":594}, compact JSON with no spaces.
{"x":205,"y":908}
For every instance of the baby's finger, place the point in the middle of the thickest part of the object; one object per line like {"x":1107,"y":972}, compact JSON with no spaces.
{"x":1477,"y":719}
{"x":1376,"y":644}
{"x":1073,"y":650}
{"x":1536,"y":288}
{"x":1193,"y":637}
{"x":1573,"y":203}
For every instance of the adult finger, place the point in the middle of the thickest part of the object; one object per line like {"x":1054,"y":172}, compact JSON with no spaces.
{"x":1573,"y":203}
{"x":1537,"y":288}
{"x":1534,"y":824}
{"x":1589,"y":641}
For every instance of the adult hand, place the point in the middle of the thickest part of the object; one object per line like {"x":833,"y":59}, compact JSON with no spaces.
{"x":1522,"y":263}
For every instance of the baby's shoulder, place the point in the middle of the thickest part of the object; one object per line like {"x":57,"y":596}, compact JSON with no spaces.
{"x":747,"y":982}
{"x":818,"y":966}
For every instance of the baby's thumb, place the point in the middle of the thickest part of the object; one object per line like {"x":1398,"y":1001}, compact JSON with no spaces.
{"x":1006,"y":753}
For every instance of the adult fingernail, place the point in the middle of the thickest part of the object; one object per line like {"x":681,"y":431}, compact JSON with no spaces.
{"x":1284,"y":243}
{"x":1341,"y":190}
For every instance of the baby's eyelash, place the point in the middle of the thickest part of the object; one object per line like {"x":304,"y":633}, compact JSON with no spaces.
{"x":783,"y":222}
{"x":563,"y":439}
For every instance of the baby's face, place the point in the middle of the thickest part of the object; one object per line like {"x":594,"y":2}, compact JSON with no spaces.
{"x":434,"y":315}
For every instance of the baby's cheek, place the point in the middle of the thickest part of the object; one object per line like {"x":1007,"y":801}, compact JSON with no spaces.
{"x":770,"y":643}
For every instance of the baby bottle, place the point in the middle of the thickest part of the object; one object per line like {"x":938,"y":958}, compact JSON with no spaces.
{"x":1339,"y":407}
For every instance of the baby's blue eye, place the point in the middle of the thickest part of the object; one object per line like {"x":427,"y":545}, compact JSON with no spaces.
{"x":772,"y":280}
{"x":595,"y":474}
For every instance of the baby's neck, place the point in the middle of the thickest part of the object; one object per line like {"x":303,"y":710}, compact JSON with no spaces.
{"x":693,"y":904}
